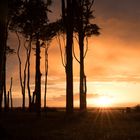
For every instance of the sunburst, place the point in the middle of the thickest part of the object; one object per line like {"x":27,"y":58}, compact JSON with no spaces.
{"x":104,"y":101}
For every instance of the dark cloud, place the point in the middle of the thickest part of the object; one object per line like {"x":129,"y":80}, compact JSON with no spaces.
{"x":124,"y":9}
{"x":118,"y":19}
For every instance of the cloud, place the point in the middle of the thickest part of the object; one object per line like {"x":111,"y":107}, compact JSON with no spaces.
{"x":112,"y":56}
{"x":121,"y":9}
{"x":62,"y":98}
{"x":118,"y":20}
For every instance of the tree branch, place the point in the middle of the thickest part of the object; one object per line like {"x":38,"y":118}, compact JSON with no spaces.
{"x":86,"y":47}
{"x":60,"y":47}
{"x":75,"y":55}
{"x":19,"y":59}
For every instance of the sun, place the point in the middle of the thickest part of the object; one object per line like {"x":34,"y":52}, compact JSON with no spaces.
{"x":103,"y":101}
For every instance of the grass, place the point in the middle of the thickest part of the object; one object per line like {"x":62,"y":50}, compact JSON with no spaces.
{"x":56,"y":125}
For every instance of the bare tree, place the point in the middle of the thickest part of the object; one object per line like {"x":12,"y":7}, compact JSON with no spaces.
{"x":22,"y":78}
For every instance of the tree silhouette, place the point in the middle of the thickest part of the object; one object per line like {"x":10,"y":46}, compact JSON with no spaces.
{"x":6,"y":14}
{"x":46,"y":72}
{"x":9,"y":51}
{"x":30,"y":20}
{"x":84,"y":29}
{"x":47,"y":34}
{"x":67,"y":17}
{"x":3,"y":40}
{"x":14,"y":8}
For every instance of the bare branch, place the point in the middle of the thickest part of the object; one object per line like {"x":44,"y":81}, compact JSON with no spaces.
{"x":86,"y":47}
{"x":19,"y":59}
{"x":25,"y":44}
{"x":64,"y":43}
{"x":76,"y":39}
{"x":61,"y":52}
{"x":75,"y":55}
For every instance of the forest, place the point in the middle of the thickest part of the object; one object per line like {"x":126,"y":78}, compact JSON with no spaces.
{"x":30,"y":19}
{"x":34,"y":31}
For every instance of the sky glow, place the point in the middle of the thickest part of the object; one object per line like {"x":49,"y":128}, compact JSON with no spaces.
{"x":112,"y":64}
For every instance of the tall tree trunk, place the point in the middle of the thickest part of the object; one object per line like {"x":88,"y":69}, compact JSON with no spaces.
{"x":28,"y":72}
{"x":20,"y":73}
{"x":46,"y":73}
{"x":68,"y":23}
{"x":4,"y":69}
{"x":23,"y":101}
{"x":4,"y":82}
{"x":38,"y":78}
{"x":81,"y":35}
{"x":82,"y":75}
{"x":3,"y":30}
{"x":7,"y":104}
{"x":10,"y":92}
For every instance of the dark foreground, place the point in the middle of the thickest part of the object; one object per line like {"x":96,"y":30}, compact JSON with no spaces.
{"x":56,"y":125}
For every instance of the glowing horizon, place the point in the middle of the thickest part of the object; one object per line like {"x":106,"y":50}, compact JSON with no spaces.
{"x":112,"y":63}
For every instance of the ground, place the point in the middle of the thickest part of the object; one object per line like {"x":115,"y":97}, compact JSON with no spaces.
{"x":95,"y":124}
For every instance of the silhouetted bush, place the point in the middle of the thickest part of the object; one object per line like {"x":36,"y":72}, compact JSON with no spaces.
{"x":137,"y":108}
{"x":128,"y":110}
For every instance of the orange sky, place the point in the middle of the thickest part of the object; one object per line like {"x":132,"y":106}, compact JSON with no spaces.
{"x":112,"y":63}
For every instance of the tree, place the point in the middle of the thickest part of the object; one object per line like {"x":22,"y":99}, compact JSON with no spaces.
{"x":22,"y":79}
{"x":3,"y":39}
{"x":46,"y":72}
{"x":39,"y":22}
{"x":6,"y":14}
{"x":48,"y":33}
{"x":67,"y":17}
{"x":30,"y":21}
{"x":84,"y":29}
{"x":9,"y":51}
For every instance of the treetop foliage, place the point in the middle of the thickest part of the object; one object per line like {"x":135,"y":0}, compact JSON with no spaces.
{"x":30,"y":17}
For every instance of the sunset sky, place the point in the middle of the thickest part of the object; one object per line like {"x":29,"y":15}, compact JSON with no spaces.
{"x":112,"y":64}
